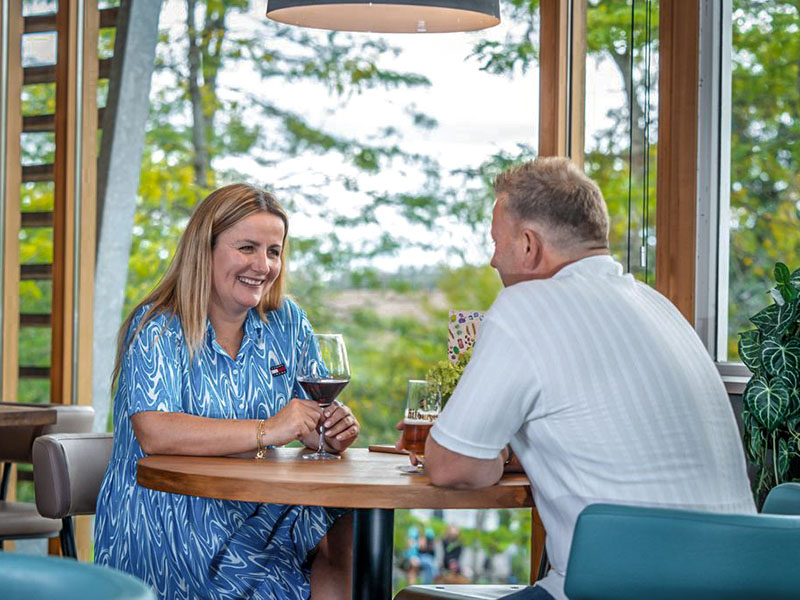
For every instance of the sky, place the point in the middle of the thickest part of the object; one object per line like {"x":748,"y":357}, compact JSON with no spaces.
{"x":478,"y":114}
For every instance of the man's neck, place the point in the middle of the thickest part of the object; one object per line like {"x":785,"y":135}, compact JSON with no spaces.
{"x":557,"y":262}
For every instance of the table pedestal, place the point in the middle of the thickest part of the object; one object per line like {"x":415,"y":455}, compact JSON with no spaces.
{"x":373,"y":542}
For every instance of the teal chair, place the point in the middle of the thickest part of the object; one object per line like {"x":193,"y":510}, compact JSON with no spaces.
{"x":783,"y":500}
{"x":28,"y":577}
{"x":633,"y":552}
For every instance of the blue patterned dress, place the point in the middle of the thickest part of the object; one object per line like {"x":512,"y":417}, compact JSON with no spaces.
{"x":190,"y":547}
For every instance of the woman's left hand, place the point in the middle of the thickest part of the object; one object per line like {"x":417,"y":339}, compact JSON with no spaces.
{"x":341,"y":427}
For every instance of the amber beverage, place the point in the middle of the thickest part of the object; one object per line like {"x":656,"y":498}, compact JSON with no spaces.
{"x":415,"y":432}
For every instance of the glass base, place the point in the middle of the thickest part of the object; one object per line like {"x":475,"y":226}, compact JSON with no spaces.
{"x":411,"y":469}
{"x":322,"y":456}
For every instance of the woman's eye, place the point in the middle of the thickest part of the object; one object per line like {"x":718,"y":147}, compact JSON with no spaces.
{"x":274,"y":253}
{"x":247,"y":248}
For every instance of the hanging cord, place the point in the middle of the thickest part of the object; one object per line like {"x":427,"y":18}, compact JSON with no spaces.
{"x":630,"y":132}
{"x":648,"y":53}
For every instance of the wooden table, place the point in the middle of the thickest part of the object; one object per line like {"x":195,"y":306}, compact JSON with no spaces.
{"x":365,"y":481}
{"x":26,"y":415}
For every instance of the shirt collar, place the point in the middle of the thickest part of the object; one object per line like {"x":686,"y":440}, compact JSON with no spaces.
{"x":253,"y":331}
{"x":592,"y":266}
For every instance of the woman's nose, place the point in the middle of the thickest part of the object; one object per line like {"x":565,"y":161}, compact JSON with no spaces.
{"x":260,"y":262}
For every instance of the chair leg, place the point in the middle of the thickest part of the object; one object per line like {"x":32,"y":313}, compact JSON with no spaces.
{"x":5,"y":480}
{"x":68,"y":548}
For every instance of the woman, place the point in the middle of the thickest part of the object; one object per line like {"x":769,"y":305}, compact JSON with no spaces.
{"x":196,"y":375}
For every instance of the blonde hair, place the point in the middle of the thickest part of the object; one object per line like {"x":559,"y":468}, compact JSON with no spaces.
{"x":553,"y":191}
{"x":185,"y":288}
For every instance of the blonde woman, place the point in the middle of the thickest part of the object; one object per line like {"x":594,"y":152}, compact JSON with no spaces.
{"x":206,"y":366}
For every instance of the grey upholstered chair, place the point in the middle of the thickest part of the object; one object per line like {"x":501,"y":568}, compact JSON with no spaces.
{"x":21,"y":520}
{"x":68,"y":469}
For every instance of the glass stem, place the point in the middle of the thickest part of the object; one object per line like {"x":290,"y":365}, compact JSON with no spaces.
{"x":321,"y":447}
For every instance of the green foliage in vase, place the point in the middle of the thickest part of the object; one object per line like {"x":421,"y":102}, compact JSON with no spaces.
{"x":771,"y":413}
{"x":447,"y":374}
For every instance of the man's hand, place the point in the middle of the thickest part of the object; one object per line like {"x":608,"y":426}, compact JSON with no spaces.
{"x":293,"y":422}
{"x":341,"y":427}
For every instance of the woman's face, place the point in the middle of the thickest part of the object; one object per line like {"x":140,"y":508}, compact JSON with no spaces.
{"x":246,"y":260}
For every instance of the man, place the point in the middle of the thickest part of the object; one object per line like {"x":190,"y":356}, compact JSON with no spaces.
{"x":602,"y":389}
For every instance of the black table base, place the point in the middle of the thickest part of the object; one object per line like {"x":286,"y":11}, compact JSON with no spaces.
{"x":373,"y":540}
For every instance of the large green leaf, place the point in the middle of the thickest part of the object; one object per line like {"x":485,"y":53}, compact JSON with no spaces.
{"x":767,"y":400}
{"x":778,"y":356}
{"x":754,"y":438}
{"x":784,"y":459}
{"x":781,"y":273}
{"x":766,"y":320}
{"x":774,"y":319}
{"x":750,"y":349}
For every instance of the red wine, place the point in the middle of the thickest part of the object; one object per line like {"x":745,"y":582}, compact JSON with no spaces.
{"x":322,"y":391}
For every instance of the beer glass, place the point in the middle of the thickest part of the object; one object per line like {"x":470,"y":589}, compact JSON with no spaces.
{"x":423,"y":403}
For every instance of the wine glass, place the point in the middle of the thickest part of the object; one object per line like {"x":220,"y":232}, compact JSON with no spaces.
{"x":423,"y":403}
{"x":323,"y":372}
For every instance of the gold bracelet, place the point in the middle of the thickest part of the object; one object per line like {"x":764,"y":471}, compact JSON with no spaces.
{"x":259,"y":439}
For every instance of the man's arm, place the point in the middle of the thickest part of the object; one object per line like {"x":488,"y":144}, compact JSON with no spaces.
{"x":446,"y":468}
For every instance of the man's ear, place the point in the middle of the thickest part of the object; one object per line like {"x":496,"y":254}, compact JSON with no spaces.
{"x":533,"y":249}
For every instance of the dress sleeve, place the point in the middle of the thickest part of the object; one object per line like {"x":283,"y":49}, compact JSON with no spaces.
{"x":493,"y":398}
{"x":150,"y":370}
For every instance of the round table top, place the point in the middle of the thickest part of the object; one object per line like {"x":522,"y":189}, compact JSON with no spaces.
{"x":26,"y":415}
{"x":361,"y":479}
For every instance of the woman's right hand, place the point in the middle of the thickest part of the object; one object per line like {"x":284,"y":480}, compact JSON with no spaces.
{"x":293,"y":422}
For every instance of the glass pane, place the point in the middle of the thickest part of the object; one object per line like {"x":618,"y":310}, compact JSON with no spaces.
{"x":765,"y":155}
{"x":621,"y":124}
{"x":382,"y":148}
{"x":39,"y":49}
{"x":38,"y":7}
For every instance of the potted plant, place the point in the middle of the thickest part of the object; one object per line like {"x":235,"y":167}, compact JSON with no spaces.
{"x":447,"y":374}
{"x":771,"y":412}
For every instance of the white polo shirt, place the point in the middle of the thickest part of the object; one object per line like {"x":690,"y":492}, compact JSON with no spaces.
{"x":606,"y":394}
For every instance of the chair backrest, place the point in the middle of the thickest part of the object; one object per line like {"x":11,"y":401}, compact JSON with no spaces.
{"x":629,"y":552}
{"x":28,"y":576}
{"x":68,"y":470}
{"x":16,"y":442}
{"x":783,"y":499}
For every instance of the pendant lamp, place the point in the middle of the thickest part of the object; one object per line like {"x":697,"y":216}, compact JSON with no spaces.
{"x":387,"y":16}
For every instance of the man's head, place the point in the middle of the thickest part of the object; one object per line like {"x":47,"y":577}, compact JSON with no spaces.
{"x":548,"y":214}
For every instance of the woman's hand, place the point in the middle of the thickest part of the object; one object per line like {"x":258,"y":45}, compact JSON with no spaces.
{"x":341,"y":427}
{"x":294,"y":421}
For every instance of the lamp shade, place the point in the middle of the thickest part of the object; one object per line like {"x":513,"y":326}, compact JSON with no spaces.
{"x":387,"y":16}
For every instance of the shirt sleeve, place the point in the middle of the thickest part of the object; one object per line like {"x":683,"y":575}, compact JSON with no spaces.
{"x":493,"y":398}
{"x":150,"y":368}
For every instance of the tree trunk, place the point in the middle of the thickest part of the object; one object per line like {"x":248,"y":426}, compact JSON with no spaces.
{"x":199,"y":125}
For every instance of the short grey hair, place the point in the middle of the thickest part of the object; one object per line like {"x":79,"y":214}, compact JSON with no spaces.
{"x":553,"y":191}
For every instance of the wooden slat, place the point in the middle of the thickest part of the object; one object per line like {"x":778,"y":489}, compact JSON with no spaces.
{"x":679,"y":32}
{"x":44,"y":23}
{"x":34,"y":320}
{"x":577,"y":130}
{"x":553,"y":88}
{"x":34,"y":372}
{"x":32,"y":173}
{"x":39,"y":123}
{"x":562,"y":89}
{"x":10,"y":191}
{"x":34,"y":123}
{"x":41,"y":272}
{"x":37,"y":219}
{"x":47,"y":73}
